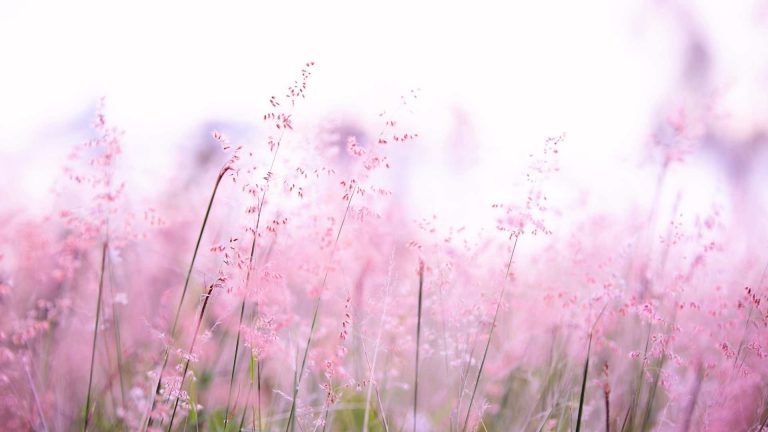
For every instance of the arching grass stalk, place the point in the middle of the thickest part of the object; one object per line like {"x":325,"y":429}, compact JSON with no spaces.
{"x":297,"y":384}
{"x":490,"y":333}
{"x":95,"y":334}
{"x":148,"y":415}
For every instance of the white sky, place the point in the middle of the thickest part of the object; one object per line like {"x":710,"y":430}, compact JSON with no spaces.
{"x":598,"y":71}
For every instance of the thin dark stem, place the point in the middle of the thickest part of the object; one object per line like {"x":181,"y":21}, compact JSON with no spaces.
{"x":418,"y":343}
{"x":469,"y":354}
{"x":184,"y":291}
{"x":258,"y":392}
{"x":292,"y":412}
{"x":626,"y":417}
{"x":303,"y":363}
{"x":607,"y":411}
{"x":586,"y":369}
{"x":242,"y":307}
{"x":95,"y":334}
{"x":118,"y":340}
{"x":234,"y":360}
{"x":248,"y":273}
{"x":325,"y":419}
{"x":252,"y":371}
{"x":197,"y":248}
{"x":764,"y":423}
{"x":490,"y":333}
{"x":191,"y":350}
{"x":583,"y":385}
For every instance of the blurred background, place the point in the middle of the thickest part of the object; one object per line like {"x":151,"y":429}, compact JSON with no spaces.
{"x":631,"y":85}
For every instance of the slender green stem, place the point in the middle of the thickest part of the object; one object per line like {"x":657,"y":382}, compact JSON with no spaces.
{"x":242,"y":308}
{"x":418,"y":340}
{"x":197,"y":248}
{"x":252,"y":365}
{"x":652,"y":395}
{"x":95,"y":334}
{"x":191,"y":350}
{"x":583,"y":385}
{"x":184,"y":292}
{"x":118,"y":340}
{"x":586,"y":369}
{"x":372,"y":367}
{"x":607,"y":411}
{"x":303,"y":364}
{"x":254,"y":315}
{"x":248,"y":273}
{"x":234,"y":360}
{"x":490,"y":333}
{"x":258,"y":391}
{"x":469,"y":354}
{"x":297,"y":384}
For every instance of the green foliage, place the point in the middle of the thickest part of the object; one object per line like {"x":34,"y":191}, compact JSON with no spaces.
{"x":353,"y":417}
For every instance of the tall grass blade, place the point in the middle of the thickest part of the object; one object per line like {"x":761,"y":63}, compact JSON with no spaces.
{"x":490,"y":334}
{"x":583,"y":385}
{"x":118,"y":339}
{"x":184,"y":292}
{"x":586,"y":370}
{"x":372,"y":365}
{"x":418,"y":344}
{"x":191,"y":350}
{"x":95,"y":334}
{"x":248,"y":274}
{"x":652,"y":395}
{"x":292,"y":412}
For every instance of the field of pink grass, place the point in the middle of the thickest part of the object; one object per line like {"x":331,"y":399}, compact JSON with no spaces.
{"x":287,"y":287}
{"x":292,"y":280}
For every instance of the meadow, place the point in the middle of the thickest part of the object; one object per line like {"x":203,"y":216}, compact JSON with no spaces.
{"x":286,"y":284}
